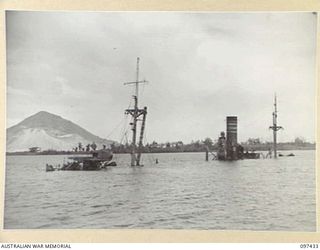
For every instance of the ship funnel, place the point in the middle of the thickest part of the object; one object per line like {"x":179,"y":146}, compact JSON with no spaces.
{"x":232,"y":137}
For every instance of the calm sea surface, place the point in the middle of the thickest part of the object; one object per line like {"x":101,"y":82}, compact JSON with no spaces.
{"x":181,"y":192}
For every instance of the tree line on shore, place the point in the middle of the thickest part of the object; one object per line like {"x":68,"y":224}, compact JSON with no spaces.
{"x":252,"y":144}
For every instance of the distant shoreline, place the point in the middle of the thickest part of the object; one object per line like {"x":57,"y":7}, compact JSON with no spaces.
{"x":154,"y":152}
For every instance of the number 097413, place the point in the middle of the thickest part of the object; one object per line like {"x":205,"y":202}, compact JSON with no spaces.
{"x":309,"y":246}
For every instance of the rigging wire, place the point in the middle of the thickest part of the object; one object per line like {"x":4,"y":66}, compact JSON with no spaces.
{"x":123,"y":120}
{"x":117,"y":126}
{"x":125,"y":127}
{"x":124,"y":132}
{"x":142,"y":92}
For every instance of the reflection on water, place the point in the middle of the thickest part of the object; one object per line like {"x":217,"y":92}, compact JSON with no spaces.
{"x":181,"y":192}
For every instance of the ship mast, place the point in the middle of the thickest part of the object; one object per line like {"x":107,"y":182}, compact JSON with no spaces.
{"x":135,"y":113}
{"x":274,"y":127}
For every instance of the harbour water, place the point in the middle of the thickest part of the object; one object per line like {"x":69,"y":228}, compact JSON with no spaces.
{"x":183,"y":191}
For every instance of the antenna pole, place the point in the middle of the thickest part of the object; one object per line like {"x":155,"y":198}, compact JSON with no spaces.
{"x":135,"y":113}
{"x":274,"y":127}
{"x":135,"y":117}
{"x":134,"y":132}
{"x":137,"y":81}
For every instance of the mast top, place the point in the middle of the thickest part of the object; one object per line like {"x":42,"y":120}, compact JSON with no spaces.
{"x":136,"y":82}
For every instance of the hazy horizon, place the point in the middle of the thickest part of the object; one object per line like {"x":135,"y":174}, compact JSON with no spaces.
{"x":201,"y":67}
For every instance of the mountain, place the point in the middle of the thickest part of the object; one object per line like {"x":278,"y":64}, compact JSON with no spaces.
{"x":49,"y":131}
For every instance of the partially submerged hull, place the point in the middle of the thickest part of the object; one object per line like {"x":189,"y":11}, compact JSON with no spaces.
{"x":251,"y":155}
{"x":99,"y":160}
{"x":87,"y":165}
{"x":247,"y":155}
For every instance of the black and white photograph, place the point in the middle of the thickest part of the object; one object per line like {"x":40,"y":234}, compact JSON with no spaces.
{"x":160,"y":120}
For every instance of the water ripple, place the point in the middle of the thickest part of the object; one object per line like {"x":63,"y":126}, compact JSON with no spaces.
{"x":182,"y":192}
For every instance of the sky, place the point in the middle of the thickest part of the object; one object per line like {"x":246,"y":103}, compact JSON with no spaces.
{"x":200,"y":68}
